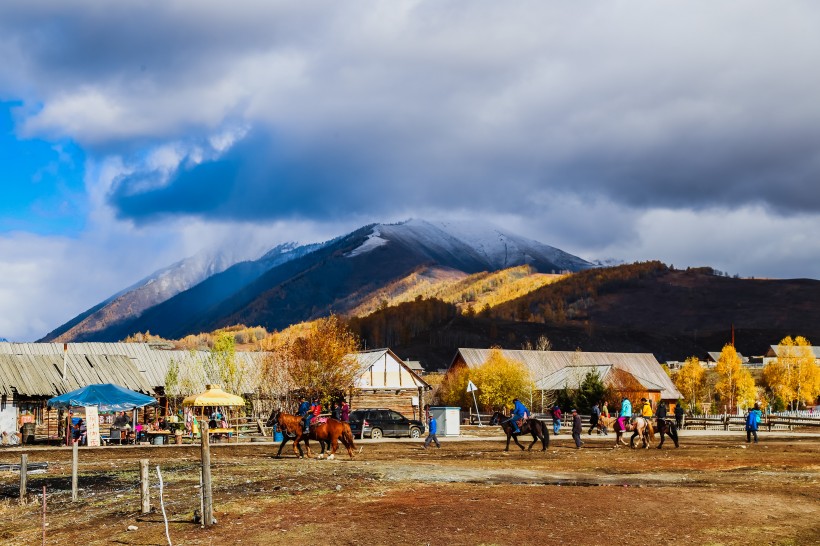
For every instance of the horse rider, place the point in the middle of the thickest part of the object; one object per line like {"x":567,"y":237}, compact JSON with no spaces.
{"x":646,"y":409}
{"x":626,"y":413}
{"x":315,"y":409}
{"x":661,"y":413}
{"x":519,"y":411}
{"x":304,"y":413}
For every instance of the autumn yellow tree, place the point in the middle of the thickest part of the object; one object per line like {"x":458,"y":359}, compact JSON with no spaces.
{"x":500,"y":379}
{"x":691,"y":381}
{"x":793,"y":376}
{"x":735,"y":384}
{"x":453,"y":388}
{"x":317,"y":359}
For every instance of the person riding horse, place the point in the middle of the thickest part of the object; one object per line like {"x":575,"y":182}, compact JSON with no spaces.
{"x":519,"y":413}
{"x":626,"y":413}
{"x":305,"y":413}
{"x":646,"y":409}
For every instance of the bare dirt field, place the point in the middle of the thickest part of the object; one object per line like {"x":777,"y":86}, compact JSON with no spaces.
{"x":713,"y":490}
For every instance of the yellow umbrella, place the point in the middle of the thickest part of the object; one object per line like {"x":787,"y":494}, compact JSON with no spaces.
{"x":214,"y":396}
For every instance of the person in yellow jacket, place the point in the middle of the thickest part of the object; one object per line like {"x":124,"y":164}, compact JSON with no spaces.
{"x":646,"y":409}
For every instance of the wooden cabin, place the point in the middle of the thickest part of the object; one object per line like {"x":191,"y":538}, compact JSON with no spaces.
{"x":385,"y":381}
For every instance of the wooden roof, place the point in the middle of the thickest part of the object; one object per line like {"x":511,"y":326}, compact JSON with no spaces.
{"x":149,"y":362}
{"x":41,"y":375}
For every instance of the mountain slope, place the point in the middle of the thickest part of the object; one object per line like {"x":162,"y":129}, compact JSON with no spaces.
{"x":631,"y":308}
{"x":333,"y":277}
{"x":146,"y":293}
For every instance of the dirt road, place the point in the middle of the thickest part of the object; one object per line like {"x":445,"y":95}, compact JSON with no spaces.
{"x":713,"y":490}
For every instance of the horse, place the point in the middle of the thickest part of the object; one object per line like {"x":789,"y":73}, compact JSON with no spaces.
{"x":329,"y":433}
{"x":612,"y":422}
{"x":665,"y":426}
{"x":291,"y":426}
{"x":532,"y":426}
{"x":642,"y":428}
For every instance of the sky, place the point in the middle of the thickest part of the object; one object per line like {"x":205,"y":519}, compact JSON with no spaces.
{"x":134,"y":134}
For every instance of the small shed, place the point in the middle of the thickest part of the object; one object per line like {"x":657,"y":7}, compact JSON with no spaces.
{"x":448,"y":420}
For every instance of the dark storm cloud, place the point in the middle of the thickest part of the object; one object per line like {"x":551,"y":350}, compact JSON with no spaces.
{"x":433,"y":104}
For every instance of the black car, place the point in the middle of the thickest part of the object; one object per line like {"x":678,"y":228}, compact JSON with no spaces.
{"x":384,"y":422}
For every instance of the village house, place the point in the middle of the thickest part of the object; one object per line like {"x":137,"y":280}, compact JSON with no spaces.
{"x":636,"y":375}
{"x":385,"y":381}
{"x":777,"y":350}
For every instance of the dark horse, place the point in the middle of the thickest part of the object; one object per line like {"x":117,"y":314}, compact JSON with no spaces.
{"x":531,"y":426}
{"x":329,"y":433}
{"x":666,"y":426}
{"x":291,"y":427}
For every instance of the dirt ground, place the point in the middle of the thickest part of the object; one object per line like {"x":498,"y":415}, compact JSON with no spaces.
{"x":713,"y":490}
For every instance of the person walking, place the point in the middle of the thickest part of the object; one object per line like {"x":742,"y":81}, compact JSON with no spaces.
{"x":345,"y":413}
{"x":752,"y":422}
{"x":432,"y":427}
{"x":577,"y":428}
{"x":679,"y":415}
{"x":556,"y":419}
{"x":595,"y":415}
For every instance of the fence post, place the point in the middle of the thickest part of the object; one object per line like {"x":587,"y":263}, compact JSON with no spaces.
{"x":145,"y":493}
{"x":23,"y":477}
{"x":207,"y":491}
{"x":74,"y":468}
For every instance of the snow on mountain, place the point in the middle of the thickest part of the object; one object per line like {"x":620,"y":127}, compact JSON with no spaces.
{"x":476,"y":242}
{"x":373,"y":241}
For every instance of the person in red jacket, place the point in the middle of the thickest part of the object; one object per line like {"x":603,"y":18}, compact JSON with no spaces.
{"x":315,"y":410}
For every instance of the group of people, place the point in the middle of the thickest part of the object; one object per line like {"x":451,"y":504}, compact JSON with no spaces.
{"x":310,"y":411}
{"x":520,"y":413}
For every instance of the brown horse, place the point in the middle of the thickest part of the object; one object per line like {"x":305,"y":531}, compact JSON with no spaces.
{"x":614,"y":424}
{"x":291,"y":427}
{"x":329,"y":433}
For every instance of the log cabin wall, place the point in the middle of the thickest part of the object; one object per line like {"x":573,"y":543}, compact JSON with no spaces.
{"x":402,"y":402}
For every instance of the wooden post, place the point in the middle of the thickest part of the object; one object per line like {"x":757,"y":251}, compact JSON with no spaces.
{"x":44,"y":515}
{"x":74,"y":466}
{"x":146,"y":496}
{"x":207,"y":490}
{"x":23,"y":477}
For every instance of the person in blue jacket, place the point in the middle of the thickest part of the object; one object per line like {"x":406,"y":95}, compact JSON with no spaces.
{"x":304,"y":413}
{"x":519,"y":411}
{"x":752,"y":422}
{"x":432,"y":427}
{"x":626,"y":413}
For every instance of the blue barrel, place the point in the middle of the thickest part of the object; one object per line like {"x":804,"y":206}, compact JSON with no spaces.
{"x":277,"y":435}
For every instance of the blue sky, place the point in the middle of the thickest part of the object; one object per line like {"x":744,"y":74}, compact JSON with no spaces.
{"x":43,"y":181}
{"x":133,"y":135}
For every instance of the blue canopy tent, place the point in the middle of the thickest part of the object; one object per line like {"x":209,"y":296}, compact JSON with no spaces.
{"x":106,"y":396}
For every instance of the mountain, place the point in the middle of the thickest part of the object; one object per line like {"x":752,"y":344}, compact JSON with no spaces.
{"x":294,"y":284}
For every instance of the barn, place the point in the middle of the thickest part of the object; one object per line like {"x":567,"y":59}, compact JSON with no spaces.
{"x":635,"y":375}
